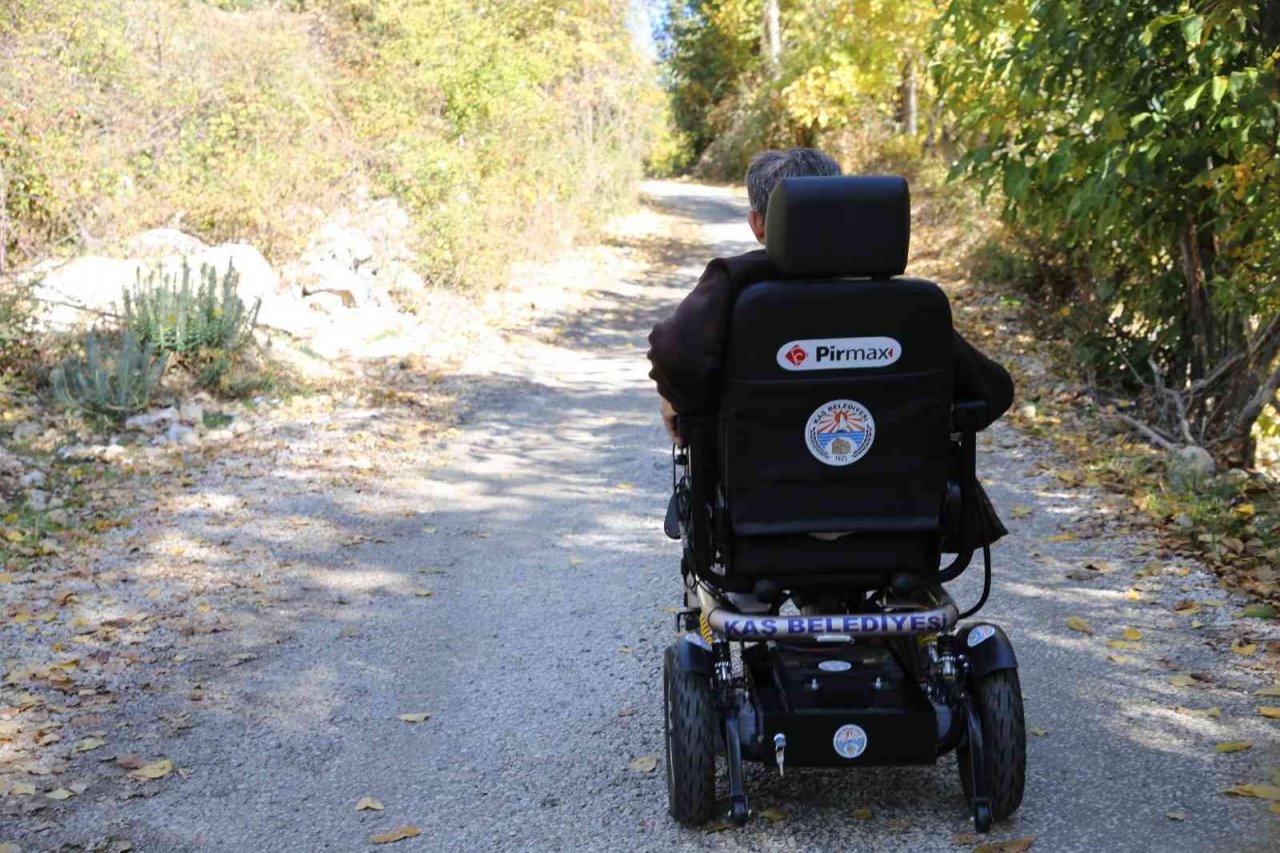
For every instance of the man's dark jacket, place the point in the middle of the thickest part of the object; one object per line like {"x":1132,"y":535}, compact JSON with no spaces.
{"x":687,"y":349}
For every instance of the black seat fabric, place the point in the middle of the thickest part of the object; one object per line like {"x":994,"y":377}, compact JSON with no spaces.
{"x":835,"y":419}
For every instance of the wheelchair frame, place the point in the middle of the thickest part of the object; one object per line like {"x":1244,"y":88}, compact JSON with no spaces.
{"x":885,"y":678}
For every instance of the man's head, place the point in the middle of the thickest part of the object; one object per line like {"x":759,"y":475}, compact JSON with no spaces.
{"x":772,"y":166}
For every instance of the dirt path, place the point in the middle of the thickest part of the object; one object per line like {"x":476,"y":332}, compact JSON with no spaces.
{"x":511,"y":579}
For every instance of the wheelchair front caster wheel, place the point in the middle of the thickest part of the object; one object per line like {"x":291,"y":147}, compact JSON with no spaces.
{"x":997,"y":697}
{"x":691,"y":742}
{"x":981,"y":816}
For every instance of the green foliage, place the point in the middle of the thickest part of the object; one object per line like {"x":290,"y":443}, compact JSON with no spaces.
{"x":172,"y":314}
{"x":1150,"y":157}
{"x":505,"y":131}
{"x":504,"y":127}
{"x":843,"y":66}
{"x":19,"y":355}
{"x":109,"y":381}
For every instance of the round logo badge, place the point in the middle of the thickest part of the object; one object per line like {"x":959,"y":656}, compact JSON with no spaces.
{"x":840,"y":432}
{"x":850,"y":741}
{"x":980,"y":633}
{"x":835,"y":666}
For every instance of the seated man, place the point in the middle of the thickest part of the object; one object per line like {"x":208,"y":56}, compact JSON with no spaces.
{"x":687,"y":349}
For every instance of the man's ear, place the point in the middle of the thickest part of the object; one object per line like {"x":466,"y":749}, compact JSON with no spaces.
{"x":756,"y":221}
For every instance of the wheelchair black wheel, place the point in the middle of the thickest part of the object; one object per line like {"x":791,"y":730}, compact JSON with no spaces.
{"x":691,"y":742}
{"x":1004,"y":742}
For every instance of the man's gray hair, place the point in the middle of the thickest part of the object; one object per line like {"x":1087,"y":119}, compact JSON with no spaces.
{"x":772,"y":166}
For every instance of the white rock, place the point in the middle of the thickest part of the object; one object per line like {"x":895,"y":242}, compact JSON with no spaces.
{"x":191,"y":413}
{"x":152,"y":422}
{"x":240,"y":427}
{"x":37,"y":500}
{"x":1190,"y":465}
{"x":91,"y":452}
{"x":31,"y":479}
{"x":26,"y":431}
{"x":78,"y":292}
{"x":164,"y":241}
{"x":179,"y":434}
{"x":58,"y":517}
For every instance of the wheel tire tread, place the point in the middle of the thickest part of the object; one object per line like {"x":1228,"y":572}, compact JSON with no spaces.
{"x":691,"y":765}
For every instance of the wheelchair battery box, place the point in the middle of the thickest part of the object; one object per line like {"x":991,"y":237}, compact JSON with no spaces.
{"x":839,"y":706}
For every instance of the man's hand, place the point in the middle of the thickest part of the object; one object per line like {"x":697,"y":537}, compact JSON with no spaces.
{"x":669,"y":421}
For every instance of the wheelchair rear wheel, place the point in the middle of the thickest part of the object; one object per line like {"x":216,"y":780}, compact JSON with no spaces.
{"x":998,"y":696}
{"x":691,"y":742}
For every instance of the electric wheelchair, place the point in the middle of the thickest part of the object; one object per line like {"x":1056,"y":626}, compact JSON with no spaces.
{"x":815,"y":507}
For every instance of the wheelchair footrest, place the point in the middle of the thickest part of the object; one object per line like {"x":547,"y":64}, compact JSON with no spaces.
{"x":839,"y":707}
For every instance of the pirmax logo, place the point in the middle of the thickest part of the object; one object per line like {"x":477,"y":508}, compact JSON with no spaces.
{"x":839,"y":353}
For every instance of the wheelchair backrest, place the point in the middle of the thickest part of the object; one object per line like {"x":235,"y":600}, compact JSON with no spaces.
{"x":836,"y":407}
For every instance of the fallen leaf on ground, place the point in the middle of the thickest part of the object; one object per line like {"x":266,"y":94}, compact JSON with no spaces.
{"x":1262,"y":792}
{"x":1013,"y":845}
{"x":1260,"y":611}
{"x":1242,"y":648}
{"x":1062,"y":537}
{"x":1078,"y":623}
{"x":88,"y":745}
{"x":627,"y":712}
{"x":1234,"y":746}
{"x":1038,"y":732}
{"x":1202,"y":712}
{"x":131,"y":761}
{"x":423,"y":593}
{"x":862,"y":814}
{"x":1185,"y":605}
{"x":1123,"y":645}
{"x":1181,"y":680}
{"x":155,"y":770}
{"x":1020,"y":511}
{"x":644,"y":764}
{"x":718,"y":826}
{"x":1271,"y":712}
{"x":772,"y":814}
{"x":24,"y":789}
{"x":1273,"y":690}
{"x":413,"y":718}
{"x":368,"y":804}
{"x":60,"y":794}
{"x":394,"y":835}
{"x":1117,"y":659}
{"x":1274,"y":808}
{"x":1176,"y":815}
{"x":1133,"y":594}
{"x":1133,"y":635}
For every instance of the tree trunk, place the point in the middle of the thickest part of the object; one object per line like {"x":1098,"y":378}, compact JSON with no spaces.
{"x":771,"y":36}
{"x":910,"y":110}
{"x":1193,"y":272}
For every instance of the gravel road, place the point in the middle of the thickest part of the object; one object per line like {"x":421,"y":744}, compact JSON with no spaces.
{"x":536,"y":527}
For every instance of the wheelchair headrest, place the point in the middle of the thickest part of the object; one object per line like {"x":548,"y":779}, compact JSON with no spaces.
{"x":839,"y":226}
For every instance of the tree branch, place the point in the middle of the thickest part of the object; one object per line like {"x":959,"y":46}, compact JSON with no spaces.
{"x":1149,"y":431}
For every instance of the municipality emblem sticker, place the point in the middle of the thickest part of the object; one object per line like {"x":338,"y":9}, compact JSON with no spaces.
{"x":980,"y":633}
{"x":850,"y":741}
{"x":840,"y":432}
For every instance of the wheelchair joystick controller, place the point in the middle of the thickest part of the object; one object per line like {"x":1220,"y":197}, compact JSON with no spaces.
{"x":779,"y":752}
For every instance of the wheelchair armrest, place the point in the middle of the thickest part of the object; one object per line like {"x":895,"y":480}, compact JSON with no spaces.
{"x":968,"y":415}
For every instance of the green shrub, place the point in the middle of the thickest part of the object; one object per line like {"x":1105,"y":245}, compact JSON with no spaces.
{"x":19,"y":356}
{"x":173,"y":314}
{"x":110,"y":382}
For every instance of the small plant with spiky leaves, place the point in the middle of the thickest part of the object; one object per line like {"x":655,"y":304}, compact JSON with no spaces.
{"x":109,"y":381}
